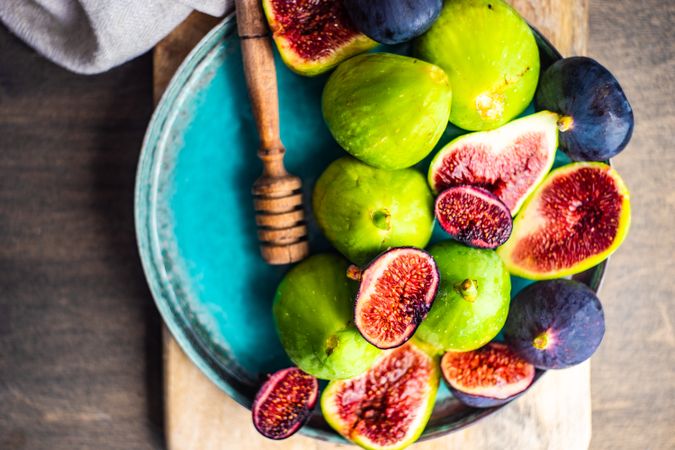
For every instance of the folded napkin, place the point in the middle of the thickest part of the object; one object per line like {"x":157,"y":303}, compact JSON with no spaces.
{"x":91,"y":36}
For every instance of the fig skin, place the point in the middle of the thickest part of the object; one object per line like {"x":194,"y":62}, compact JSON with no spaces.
{"x":317,"y":23}
{"x":313,"y":314}
{"x":306,"y":392}
{"x":503,"y":392}
{"x":555,"y":324}
{"x":490,"y":56}
{"x":467,"y":316}
{"x":364,"y":211}
{"x":393,"y":21}
{"x":410,"y":316}
{"x":596,"y":119}
{"x":387,"y":110}
{"x":521,"y":255}
{"x":429,"y":381}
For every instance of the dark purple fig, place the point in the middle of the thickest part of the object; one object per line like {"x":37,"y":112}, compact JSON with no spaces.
{"x":474,"y":216}
{"x":396,"y":293}
{"x":555,"y":324}
{"x":393,"y":21}
{"x":596,"y":120}
{"x":283,"y":404}
{"x":489,"y":376}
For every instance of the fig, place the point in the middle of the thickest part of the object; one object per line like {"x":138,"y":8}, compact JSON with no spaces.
{"x":555,"y":324}
{"x":472,"y":301}
{"x":387,"y":110}
{"x":283,"y":404}
{"x":313,"y":36}
{"x":388,"y":406}
{"x":490,"y":56}
{"x":510,"y":161}
{"x":474,"y":216}
{"x":490,"y":376}
{"x":313,"y":312}
{"x":596,"y":119}
{"x":576,"y":218}
{"x":395,"y":295}
{"x":393,"y":21}
{"x":364,"y":211}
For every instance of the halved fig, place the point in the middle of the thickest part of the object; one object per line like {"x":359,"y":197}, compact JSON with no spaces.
{"x":578,"y":217}
{"x":396,"y":293}
{"x":388,"y":407}
{"x":474,"y":216}
{"x":510,"y":161}
{"x":313,"y":36}
{"x":555,"y":324}
{"x":283,"y":404}
{"x":490,"y":376}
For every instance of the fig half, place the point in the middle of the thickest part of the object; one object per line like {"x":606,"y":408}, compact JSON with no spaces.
{"x":555,"y":324}
{"x":474,"y":216}
{"x":396,"y":293}
{"x":283,"y":404}
{"x":578,"y":217}
{"x":313,"y":36}
{"x":490,"y":376}
{"x":387,"y":407}
{"x":510,"y":161}
{"x":596,"y":119}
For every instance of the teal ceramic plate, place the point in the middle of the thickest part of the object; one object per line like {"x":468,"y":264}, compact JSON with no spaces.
{"x":194,"y":218}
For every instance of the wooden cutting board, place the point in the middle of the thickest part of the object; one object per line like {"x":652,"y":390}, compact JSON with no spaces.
{"x":555,"y":413}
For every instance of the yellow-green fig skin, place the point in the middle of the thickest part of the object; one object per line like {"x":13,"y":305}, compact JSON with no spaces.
{"x":387,"y":110}
{"x":491,"y":57}
{"x":460,"y":319}
{"x":363,"y":210}
{"x":313,"y":313}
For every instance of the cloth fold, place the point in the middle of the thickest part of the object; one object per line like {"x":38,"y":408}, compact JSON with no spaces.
{"x":92,"y":36}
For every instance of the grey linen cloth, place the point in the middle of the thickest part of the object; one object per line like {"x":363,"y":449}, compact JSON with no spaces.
{"x":91,"y":36}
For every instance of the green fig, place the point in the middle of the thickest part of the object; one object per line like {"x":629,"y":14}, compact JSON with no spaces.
{"x":313,"y":312}
{"x":364,"y":211}
{"x":491,"y":57}
{"x":387,"y":110}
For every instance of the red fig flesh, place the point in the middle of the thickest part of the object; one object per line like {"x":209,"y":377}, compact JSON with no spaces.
{"x":284,"y":403}
{"x":474,"y":216}
{"x":489,"y":376}
{"x":396,"y":293}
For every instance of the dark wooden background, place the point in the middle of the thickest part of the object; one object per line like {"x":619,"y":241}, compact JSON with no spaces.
{"x":80,"y":353}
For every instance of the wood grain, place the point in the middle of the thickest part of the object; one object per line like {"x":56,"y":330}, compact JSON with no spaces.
{"x":555,"y":414}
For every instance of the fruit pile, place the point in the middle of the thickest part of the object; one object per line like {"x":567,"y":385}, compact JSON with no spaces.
{"x":386,"y":319}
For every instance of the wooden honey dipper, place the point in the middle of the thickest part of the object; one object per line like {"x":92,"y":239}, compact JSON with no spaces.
{"x":277,"y":195}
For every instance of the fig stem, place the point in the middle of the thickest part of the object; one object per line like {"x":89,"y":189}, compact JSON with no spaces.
{"x":382,"y":219}
{"x":565,"y":123}
{"x":354,"y":273}
{"x":540,"y":342}
{"x":468,"y":289}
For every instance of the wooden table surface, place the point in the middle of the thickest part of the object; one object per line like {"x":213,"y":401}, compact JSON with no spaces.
{"x":80,"y":348}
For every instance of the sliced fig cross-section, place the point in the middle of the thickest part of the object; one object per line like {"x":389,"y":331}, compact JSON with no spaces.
{"x":474,"y":216}
{"x":388,"y":407}
{"x":313,"y":36}
{"x":396,"y":293}
{"x":283,"y":404}
{"x":510,"y":161}
{"x":578,"y":217}
{"x":489,"y":376}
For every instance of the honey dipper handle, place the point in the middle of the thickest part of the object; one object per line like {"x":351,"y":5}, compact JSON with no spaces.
{"x":261,"y":79}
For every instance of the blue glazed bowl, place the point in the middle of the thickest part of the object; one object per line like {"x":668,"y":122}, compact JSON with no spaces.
{"x":195,"y":220}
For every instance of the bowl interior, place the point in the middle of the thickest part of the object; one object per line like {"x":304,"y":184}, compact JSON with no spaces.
{"x":195,"y":226}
